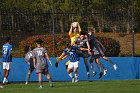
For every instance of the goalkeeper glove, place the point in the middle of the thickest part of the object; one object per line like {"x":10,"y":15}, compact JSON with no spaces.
{"x":56,"y":64}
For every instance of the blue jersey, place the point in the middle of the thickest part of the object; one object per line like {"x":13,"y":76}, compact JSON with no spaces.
{"x":73,"y":56}
{"x":6,"y":52}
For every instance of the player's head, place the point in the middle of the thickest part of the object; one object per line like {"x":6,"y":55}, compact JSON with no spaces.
{"x":8,"y":39}
{"x":75,"y":27}
{"x":39,"y":41}
{"x":75,"y":24}
{"x":90,"y":31}
{"x":28,"y":48}
{"x":82,"y":34}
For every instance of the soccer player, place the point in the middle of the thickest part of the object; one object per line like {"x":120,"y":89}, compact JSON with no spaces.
{"x":102,"y":49}
{"x":39,"y":58}
{"x":95,"y":55}
{"x":7,"y":59}
{"x":74,"y":60}
{"x":83,"y":43}
{"x":97,"y":49}
{"x":74,"y":32}
{"x":29,"y":60}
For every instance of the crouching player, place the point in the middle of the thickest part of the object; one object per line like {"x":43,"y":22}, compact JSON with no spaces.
{"x":29,"y":60}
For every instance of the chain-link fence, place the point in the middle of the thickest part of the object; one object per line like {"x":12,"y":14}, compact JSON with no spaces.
{"x":102,"y":15}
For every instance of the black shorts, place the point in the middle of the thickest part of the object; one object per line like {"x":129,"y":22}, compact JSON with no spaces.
{"x":31,"y":68}
{"x":83,"y":54}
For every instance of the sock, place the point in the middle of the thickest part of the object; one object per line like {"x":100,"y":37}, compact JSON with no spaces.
{"x":93,"y":68}
{"x":76,"y":76}
{"x":110,"y":61}
{"x":40,"y":83}
{"x":4,"y":80}
{"x":27,"y":77}
{"x":50,"y":80}
{"x":99,"y":67}
{"x":70,"y":74}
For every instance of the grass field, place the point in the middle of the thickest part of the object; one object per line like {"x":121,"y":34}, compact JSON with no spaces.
{"x":116,"y":86}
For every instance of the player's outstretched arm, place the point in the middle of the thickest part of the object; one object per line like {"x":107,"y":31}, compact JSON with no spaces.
{"x":63,"y":56}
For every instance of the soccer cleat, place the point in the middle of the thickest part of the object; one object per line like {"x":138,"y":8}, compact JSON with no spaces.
{"x":94,"y":73}
{"x":73,"y":80}
{"x":76,"y":80}
{"x":115,"y":66}
{"x":40,"y":87}
{"x":6,"y":81}
{"x":26,"y":83}
{"x":51,"y":85}
{"x":100,"y":75}
{"x":1,"y":86}
{"x":105,"y":70}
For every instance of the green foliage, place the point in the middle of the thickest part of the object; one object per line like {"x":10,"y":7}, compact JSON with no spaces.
{"x":104,"y":12}
{"x":59,"y":43}
{"x":31,"y":5}
{"x":112,"y":46}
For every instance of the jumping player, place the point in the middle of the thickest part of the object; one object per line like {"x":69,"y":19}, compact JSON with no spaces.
{"x":74,"y":32}
{"x":74,"y":60}
{"x":83,"y":43}
{"x":97,"y":51}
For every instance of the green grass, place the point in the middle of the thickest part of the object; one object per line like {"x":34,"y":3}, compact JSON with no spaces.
{"x":124,"y":86}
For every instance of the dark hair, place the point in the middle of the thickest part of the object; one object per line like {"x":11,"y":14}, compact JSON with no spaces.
{"x":83,"y":33}
{"x":39,"y":41}
{"x":28,"y":48}
{"x":68,"y":44}
{"x":8,"y":39}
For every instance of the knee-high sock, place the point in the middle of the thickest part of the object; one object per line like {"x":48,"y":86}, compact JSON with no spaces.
{"x":92,"y":67}
{"x":70,"y":74}
{"x":27,"y":77}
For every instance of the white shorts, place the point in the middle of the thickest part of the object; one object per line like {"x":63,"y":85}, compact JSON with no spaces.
{"x":6,"y":65}
{"x":73,"y":64}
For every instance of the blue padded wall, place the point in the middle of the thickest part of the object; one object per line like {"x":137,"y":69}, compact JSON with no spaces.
{"x":128,"y":68}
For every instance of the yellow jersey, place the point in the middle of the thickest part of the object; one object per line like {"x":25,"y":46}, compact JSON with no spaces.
{"x":73,"y":37}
